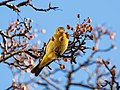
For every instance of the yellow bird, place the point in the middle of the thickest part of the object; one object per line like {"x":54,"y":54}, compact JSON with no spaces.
{"x":55,"y":47}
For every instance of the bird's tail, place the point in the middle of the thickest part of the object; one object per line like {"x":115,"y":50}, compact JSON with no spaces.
{"x":36,"y":70}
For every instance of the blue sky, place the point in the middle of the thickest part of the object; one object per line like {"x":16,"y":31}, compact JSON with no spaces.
{"x":100,"y":11}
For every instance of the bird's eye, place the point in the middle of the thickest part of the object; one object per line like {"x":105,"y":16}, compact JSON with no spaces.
{"x":58,"y":30}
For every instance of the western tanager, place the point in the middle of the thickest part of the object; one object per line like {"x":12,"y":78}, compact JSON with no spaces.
{"x":55,"y":47}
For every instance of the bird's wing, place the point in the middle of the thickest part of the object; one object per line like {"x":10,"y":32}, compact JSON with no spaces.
{"x":50,"y":46}
{"x":48,"y":58}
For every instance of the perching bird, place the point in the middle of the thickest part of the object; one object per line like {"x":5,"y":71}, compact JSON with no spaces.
{"x":55,"y":47}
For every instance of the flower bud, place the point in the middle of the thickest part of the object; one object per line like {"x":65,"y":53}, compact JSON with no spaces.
{"x":68,"y":26}
{"x":62,"y":66}
{"x":78,"y":15}
{"x":61,"y":38}
{"x":52,"y":38}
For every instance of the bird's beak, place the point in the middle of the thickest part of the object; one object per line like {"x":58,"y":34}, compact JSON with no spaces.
{"x":61,"y":31}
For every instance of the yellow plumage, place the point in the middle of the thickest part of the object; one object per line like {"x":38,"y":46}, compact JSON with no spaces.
{"x":55,"y":47}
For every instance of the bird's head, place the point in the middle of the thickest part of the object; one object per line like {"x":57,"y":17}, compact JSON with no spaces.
{"x":60,"y":30}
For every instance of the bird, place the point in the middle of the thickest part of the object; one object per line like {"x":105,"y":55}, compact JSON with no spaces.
{"x":56,"y":46}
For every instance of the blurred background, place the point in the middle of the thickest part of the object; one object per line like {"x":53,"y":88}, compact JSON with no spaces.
{"x":105,"y":13}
